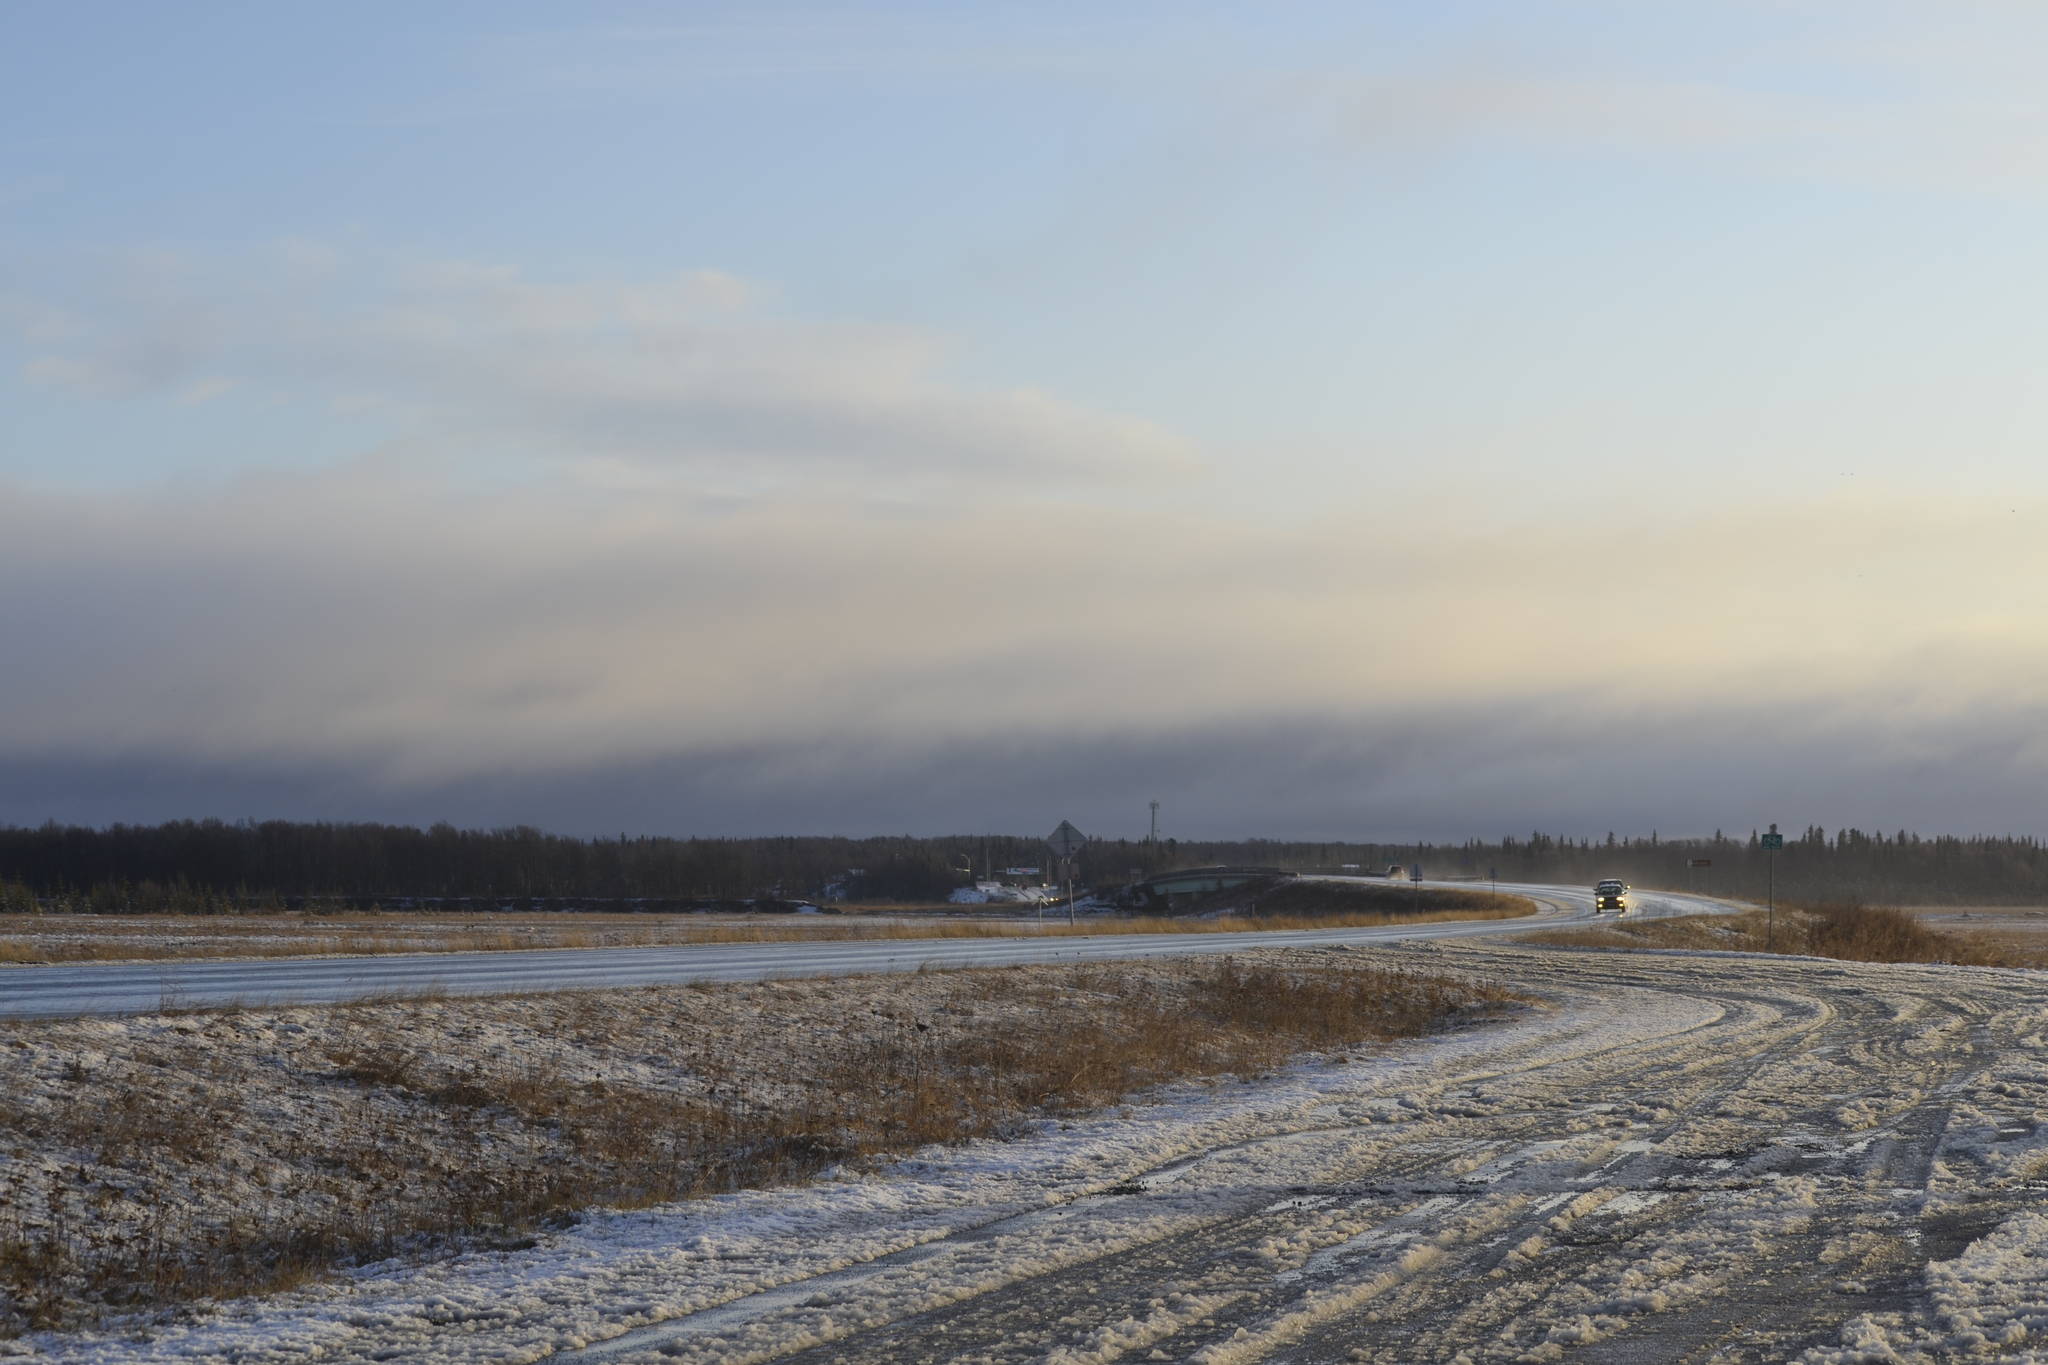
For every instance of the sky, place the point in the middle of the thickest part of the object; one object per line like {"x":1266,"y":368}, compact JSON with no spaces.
{"x":1331,"y":420}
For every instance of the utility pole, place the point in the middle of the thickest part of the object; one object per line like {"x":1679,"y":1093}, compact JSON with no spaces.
{"x":1155,"y":823}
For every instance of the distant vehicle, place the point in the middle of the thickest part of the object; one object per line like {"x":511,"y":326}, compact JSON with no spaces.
{"x":1396,"y":870}
{"x":1611,"y":894}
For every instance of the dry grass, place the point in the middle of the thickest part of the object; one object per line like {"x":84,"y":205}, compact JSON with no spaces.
{"x":1383,"y":902}
{"x":107,"y":938}
{"x":95,"y":938}
{"x":166,"y":1160}
{"x":2007,"y":935}
{"x":1853,"y":933}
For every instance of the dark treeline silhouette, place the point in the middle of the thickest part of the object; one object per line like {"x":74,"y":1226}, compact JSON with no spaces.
{"x":212,"y":866}
{"x":1814,"y":867}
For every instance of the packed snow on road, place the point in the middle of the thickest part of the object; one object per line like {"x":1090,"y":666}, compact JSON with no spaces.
{"x":1673,"y":1157}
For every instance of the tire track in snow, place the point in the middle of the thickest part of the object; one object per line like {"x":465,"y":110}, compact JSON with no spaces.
{"x":668,"y":1336}
{"x":1009,"y":1319}
{"x":1613,"y":1202}
{"x":1756,"y":1296}
{"x":1796,"y":1260}
{"x":1510,"y":1238}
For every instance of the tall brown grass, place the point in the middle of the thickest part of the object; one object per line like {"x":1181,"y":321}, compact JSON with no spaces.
{"x":1314,"y":898}
{"x":1846,"y":930}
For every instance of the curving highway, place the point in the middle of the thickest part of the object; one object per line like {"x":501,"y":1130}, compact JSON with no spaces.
{"x":110,"y":988}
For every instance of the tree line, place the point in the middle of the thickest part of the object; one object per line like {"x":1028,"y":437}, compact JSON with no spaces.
{"x":213,"y":866}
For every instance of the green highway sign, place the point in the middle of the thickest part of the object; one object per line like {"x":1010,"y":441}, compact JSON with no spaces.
{"x":1774,"y":840}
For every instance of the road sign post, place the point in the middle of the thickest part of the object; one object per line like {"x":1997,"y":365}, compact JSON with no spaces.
{"x":1771,"y":842}
{"x":1065,"y":842}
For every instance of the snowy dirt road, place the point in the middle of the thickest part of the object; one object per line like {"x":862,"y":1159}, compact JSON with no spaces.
{"x":1681,"y":1158}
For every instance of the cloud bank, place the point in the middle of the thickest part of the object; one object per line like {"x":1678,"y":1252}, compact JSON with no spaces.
{"x":401,"y":635}
{"x":665,"y":558}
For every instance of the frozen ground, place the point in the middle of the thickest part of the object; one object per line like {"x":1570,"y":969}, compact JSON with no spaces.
{"x":1685,"y":1158}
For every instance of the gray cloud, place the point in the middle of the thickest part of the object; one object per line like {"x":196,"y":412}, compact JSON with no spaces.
{"x":687,"y":375}
{"x":1443,"y":776}
{"x":662,"y":614}
{"x":1895,"y":96}
{"x":365,"y":642}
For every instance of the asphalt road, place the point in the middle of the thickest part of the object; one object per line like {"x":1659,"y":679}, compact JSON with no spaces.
{"x":111,"y":988}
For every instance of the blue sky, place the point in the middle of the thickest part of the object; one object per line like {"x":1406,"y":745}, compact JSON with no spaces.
{"x":497,"y":397}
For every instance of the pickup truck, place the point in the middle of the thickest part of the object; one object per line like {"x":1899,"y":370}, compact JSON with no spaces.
{"x":1611,"y":894}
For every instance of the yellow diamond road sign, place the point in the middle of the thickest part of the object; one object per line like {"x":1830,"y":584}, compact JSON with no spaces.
{"x":1065,"y":841}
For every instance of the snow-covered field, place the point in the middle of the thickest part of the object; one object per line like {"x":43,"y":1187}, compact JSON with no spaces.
{"x":1685,"y":1157}
{"x":168,"y":1158}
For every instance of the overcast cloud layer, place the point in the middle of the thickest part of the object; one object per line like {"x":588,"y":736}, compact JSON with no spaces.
{"x":332,"y":636}
{"x":1340,"y":423}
